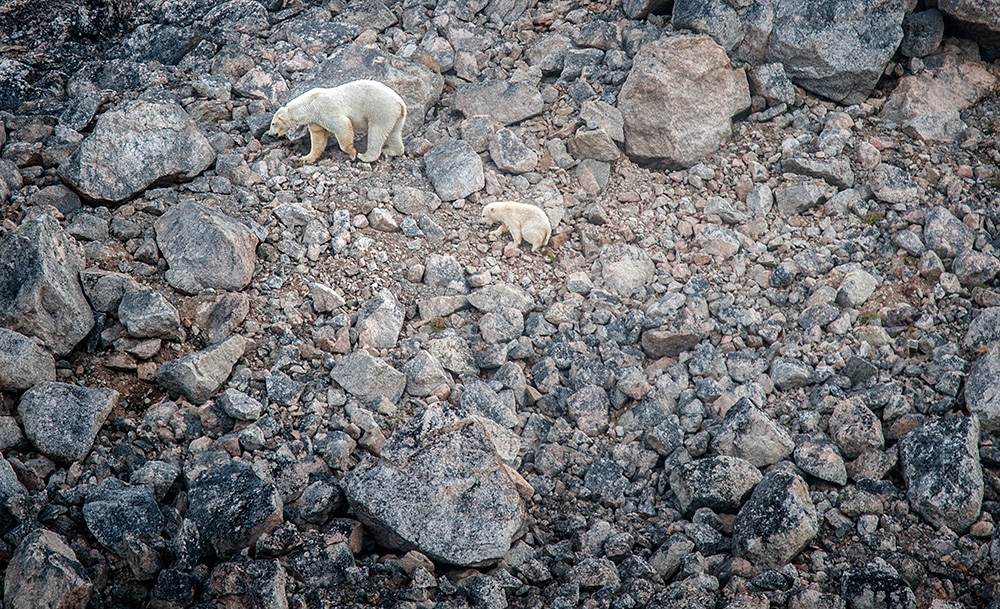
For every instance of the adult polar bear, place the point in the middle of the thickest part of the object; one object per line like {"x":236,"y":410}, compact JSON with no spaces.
{"x":360,"y":104}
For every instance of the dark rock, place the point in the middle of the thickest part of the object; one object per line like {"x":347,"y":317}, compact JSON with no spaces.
{"x":506,"y":102}
{"x":777,"y":522}
{"x":748,"y":433}
{"x":868,"y":588}
{"x":44,"y":572}
{"x":248,"y":584}
{"x":62,"y":420}
{"x":922,"y":33}
{"x":368,"y":378}
{"x":147,"y":314}
{"x":721,"y":483}
{"x":454,"y":169}
{"x":114,"y":510}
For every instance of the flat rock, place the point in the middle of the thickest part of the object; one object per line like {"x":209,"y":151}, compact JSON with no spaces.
{"x":506,"y":102}
{"x":720,"y":483}
{"x":937,"y":126}
{"x":875,"y":587}
{"x":511,"y":154}
{"x":454,"y":169}
{"x":44,"y":572}
{"x":24,"y":362}
{"x":136,"y":146}
{"x":114,"y":510}
{"x":40,"y":293}
{"x":679,"y":99}
{"x":944,"y":480}
{"x":748,"y":433}
{"x":589,"y":407}
{"x":972,"y":267}
{"x":497,"y":296}
{"x":147,"y":314}
{"x":62,"y":420}
{"x":424,"y":375}
{"x":984,"y":331}
{"x":440,"y":488}
{"x":945,"y":234}
{"x":368,"y":378}
{"x":245,"y":584}
{"x":788,"y":373}
{"x":626,"y":269}
{"x":856,"y":288}
{"x":480,"y":399}
{"x":818,"y":456}
{"x":951,"y":82}
{"x":798,"y":195}
{"x":239,"y":405}
{"x":892,"y":184}
{"x":776,"y":523}
{"x":379,"y":321}
{"x":197,"y":376}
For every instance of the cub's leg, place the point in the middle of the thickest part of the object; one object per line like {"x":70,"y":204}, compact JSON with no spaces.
{"x":499,"y":231}
{"x":317,"y":136}
{"x":376,"y":138}
{"x":535,"y":236}
{"x":395,"y":141}
{"x":515,"y":233}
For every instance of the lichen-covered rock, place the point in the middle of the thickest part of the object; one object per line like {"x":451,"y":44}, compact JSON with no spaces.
{"x":454,"y":169}
{"x":748,"y":433}
{"x":23,"y":362}
{"x":506,"y":102}
{"x":62,"y":420}
{"x":368,"y":378}
{"x":626,"y":269}
{"x":114,"y":510}
{"x":721,"y":483}
{"x":197,"y":376}
{"x":379,"y":321}
{"x":777,"y":522}
{"x":44,"y":572}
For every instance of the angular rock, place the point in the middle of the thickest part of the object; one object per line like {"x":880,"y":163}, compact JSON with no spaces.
{"x":939,"y":126}
{"x":379,"y":321}
{"x":197,"y":376}
{"x":856,"y":288}
{"x":501,"y":326}
{"x":239,"y":405}
{"x":24,"y":362}
{"x":892,"y":184}
{"x":855,"y":428}
{"x":424,"y":375}
{"x":984,"y":331}
{"x":872,"y":588}
{"x":748,"y":433}
{"x":817,"y":456}
{"x":440,"y":488}
{"x":676,"y":336}
{"x":445,"y":272}
{"x":977,"y":19}
{"x":506,"y":102}
{"x":944,"y":481}
{"x":479,"y":399}
{"x":589,"y":407}
{"x":952,"y":82}
{"x":626,"y":269}
{"x":232,"y":506}
{"x":787,"y":373}
{"x":498,"y":296}
{"x":263,"y":84}
{"x":368,"y":378}
{"x":720,"y":483}
{"x":922,"y":33}
{"x":44,"y":572}
{"x":593,"y":144}
{"x":114,"y":510}
{"x":776,"y":523}
{"x":770,"y":82}
{"x":836,"y":171}
{"x":40,"y":292}
{"x":249,"y":584}
{"x":62,"y":420}
{"x":982,"y":390}
{"x":454,"y":169}
{"x":945,"y":234}
{"x":147,"y":314}
{"x":679,"y":99}
{"x":511,"y":154}
{"x":973,"y":267}
{"x":798,"y":195}
{"x":139,"y":145}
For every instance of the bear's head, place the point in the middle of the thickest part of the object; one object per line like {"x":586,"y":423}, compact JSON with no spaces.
{"x":280,"y":124}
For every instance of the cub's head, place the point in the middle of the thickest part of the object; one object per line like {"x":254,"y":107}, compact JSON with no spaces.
{"x":489,"y":212}
{"x":280,"y":124}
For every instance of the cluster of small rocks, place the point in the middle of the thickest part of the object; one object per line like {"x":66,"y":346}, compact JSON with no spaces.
{"x":756,"y":366}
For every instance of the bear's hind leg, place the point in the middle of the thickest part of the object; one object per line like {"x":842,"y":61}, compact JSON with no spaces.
{"x":376,"y":138}
{"x":317,"y":137}
{"x":394,"y":145}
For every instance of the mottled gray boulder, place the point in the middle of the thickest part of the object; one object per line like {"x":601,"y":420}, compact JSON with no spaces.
{"x":946,"y":234}
{"x":197,"y":376}
{"x":454,"y":355}
{"x":944,"y":481}
{"x":232,"y":506}
{"x":205,"y":248}
{"x":445,"y":272}
{"x":319,"y":37}
{"x":45,"y":573}
{"x":856,"y":288}
{"x":368,"y":378}
{"x":952,"y":81}
{"x":639,"y":9}
{"x":855,"y":428}
{"x":798,"y":195}
{"x":679,"y":99}
{"x":506,"y":102}
{"x":788,"y":373}
{"x":239,"y":405}
{"x":589,"y":408}
{"x":626,"y":269}
{"x":978,"y":20}
{"x":454,"y":169}
{"x":419,"y":86}
{"x":973,"y":267}
{"x":984,"y":331}
{"x":836,"y":171}
{"x":875,"y":588}
{"x":770,"y":82}
{"x":498,"y":296}
{"x":938,"y":126}
{"x":40,"y":292}
{"x":922,"y":33}
{"x":818,"y":456}
{"x":24,"y":362}
{"x":479,"y":399}
{"x":674,"y":336}
{"x":104,"y":289}
{"x":145,"y":313}
{"x":136,"y":146}
{"x":892,"y":184}
{"x":379,"y":321}
{"x":424,"y":375}
{"x":114,"y":510}
{"x":721,"y":483}
{"x":62,"y":420}
{"x":776,"y":523}
{"x":511,"y":154}
{"x":246,"y":584}
{"x":265,"y":84}
{"x":501,"y":326}
{"x":982,"y":390}
{"x":748,"y":433}
{"x":441,"y":488}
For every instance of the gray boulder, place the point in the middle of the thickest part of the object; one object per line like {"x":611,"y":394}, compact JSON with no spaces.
{"x":205,"y":248}
{"x":62,"y":420}
{"x":440,"y":487}
{"x":984,"y":331}
{"x":232,"y":506}
{"x":424,"y":375}
{"x":134,"y":147}
{"x":891,"y":184}
{"x":479,"y":399}
{"x":257,"y":584}
{"x":511,"y":154}
{"x":626,"y":269}
{"x":104,"y":289}
{"x":855,"y":428}
{"x":44,"y":572}
{"x":872,"y":588}
{"x":952,"y":81}
{"x":922,"y":33}
{"x":197,"y":376}
{"x":368,"y":378}
{"x":114,"y":510}
{"x":24,"y":362}
{"x":818,"y":456}
{"x":506,"y":102}
{"x":145,"y":313}
{"x":454,"y":169}
{"x":945,"y":234}
{"x":944,"y":480}
{"x":379,"y":321}
{"x":982,"y":390}
{"x":40,"y":293}
{"x":748,"y":433}
{"x":679,"y":99}
{"x":720,"y":483}
{"x":776,"y":523}
{"x":499,"y":296}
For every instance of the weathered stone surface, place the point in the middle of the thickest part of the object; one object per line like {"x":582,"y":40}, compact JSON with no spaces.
{"x":506,"y":102}
{"x":232,"y":506}
{"x":589,"y":407}
{"x":977,"y":19}
{"x":856,"y":288}
{"x":788,"y":373}
{"x":944,"y":481}
{"x":982,"y":390}
{"x":798,"y":195}
{"x":419,"y":86}
{"x":770,"y":82}
{"x":866,"y":588}
{"x":205,"y":248}
{"x":922,"y":33}
{"x":945,"y":234}
{"x":440,"y":488}
{"x":454,"y":169}
{"x":368,"y":378}
{"x":239,"y":405}
{"x":197,"y":376}
{"x":855,"y":428}
{"x":379,"y":321}
{"x":40,"y":292}
{"x":511,"y":154}
{"x":626,"y":269}
{"x":721,"y":483}
{"x":114,"y":510}
{"x":424,"y":375}
{"x":818,"y":456}
{"x":984,"y":331}
{"x":147,"y":314}
{"x":62,"y":420}
{"x":952,"y":82}
{"x":674,"y":336}
{"x":892,"y":184}
{"x":679,"y":100}
{"x":748,"y":433}
{"x":23,"y":362}
{"x":44,"y":572}
{"x":139,"y":145}
{"x":777,"y":522}
{"x":479,"y":399}
{"x":249,"y":584}
{"x":497,"y":296}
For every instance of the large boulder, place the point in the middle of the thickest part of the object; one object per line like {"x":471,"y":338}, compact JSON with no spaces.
{"x":454,"y":169}
{"x":197,"y":376}
{"x":134,"y":147}
{"x":777,"y":522}
{"x":62,"y":420}
{"x":626,"y":269}
{"x":418,"y":85}
{"x":679,"y":99}
{"x":982,"y":390}
{"x":40,"y":293}
{"x":114,"y":511}
{"x":368,"y":378}
{"x":951,"y":81}
{"x":379,"y":321}
{"x":44,"y":572}
{"x":978,"y":20}
{"x":205,"y":248}
{"x":23,"y":362}
{"x":440,"y":487}
{"x":721,"y":483}
{"x":506,"y":102}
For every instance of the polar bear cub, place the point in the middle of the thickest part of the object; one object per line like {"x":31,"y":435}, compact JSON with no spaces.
{"x":524,"y":221}
{"x":360,"y":104}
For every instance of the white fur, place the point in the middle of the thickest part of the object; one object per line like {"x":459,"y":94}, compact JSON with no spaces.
{"x":522,"y":220}
{"x":360,"y":104}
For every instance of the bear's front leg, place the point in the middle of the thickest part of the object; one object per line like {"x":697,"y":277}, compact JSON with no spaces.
{"x":317,"y":136}
{"x":343,"y":130}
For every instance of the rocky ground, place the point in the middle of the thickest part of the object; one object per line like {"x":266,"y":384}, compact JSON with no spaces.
{"x":756,"y":365}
